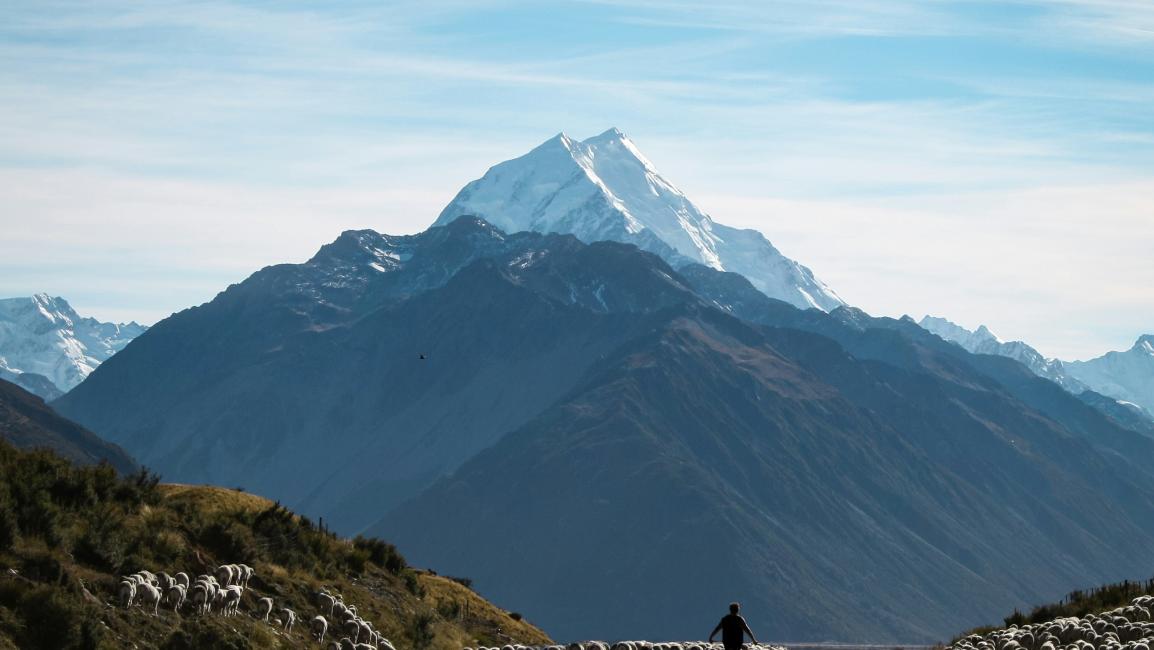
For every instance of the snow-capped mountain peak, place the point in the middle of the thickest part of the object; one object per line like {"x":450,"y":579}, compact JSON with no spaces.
{"x":1145,"y":343}
{"x":1124,"y":375}
{"x":45,"y":344}
{"x":951,"y":331}
{"x":604,"y":188}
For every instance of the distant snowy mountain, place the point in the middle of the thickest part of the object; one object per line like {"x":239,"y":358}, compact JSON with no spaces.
{"x":603,"y":188}
{"x":983,"y":341}
{"x":47,"y":348}
{"x":1127,"y":376}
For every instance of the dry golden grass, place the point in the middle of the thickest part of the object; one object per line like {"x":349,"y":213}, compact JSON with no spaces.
{"x":190,"y":528}
{"x":446,"y":595}
{"x":210,"y":499}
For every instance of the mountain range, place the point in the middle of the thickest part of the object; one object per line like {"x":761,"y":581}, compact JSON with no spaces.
{"x":615,"y":435}
{"x":47,"y":348}
{"x":1126,"y":376}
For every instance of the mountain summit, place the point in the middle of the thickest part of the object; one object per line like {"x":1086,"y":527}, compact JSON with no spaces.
{"x":604,"y":188}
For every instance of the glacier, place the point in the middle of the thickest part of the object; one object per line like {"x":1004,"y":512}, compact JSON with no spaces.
{"x":604,"y":188}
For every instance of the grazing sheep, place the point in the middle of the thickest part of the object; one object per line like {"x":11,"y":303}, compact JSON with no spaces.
{"x":150,"y":595}
{"x":326,"y":601}
{"x":318,"y":626}
{"x":181,"y":579}
{"x":176,"y":595}
{"x":265,"y":604}
{"x":366,"y":631}
{"x":201,"y":599}
{"x":385,"y":644}
{"x":353,"y":629}
{"x":127,"y":592}
{"x":231,"y":601}
{"x":246,"y":573}
{"x":289,"y":617}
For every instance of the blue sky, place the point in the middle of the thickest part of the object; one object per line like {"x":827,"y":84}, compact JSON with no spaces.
{"x":991,"y":162}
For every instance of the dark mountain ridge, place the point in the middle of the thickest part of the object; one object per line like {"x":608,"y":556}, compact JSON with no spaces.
{"x":712,"y":461}
{"x":27,"y":422}
{"x":614,"y":447}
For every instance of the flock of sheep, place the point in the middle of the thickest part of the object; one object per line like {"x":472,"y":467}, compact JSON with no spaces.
{"x":222,"y":591}
{"x":632,"y":645}
{"x":1125,"y":628}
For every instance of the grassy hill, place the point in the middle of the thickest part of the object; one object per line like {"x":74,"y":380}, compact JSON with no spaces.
{"x":67,"y":533}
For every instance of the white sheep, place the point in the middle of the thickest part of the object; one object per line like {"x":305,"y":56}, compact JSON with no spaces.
{"x":150,"y":595}
{"x":246,"y":573}
{"x":290,"y":617}
{"x":326,"y":600}
{"x":266,"y":605}
{"x":318,"y":626}
{"x":182,"y":579}
{"x":127,"y":592}
{"x":176,"y":595}
{"x":201,"y":598}
{"x":231,"y":600}
{"x":352,"y":628}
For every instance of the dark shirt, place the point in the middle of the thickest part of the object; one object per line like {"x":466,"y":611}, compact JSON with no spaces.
{"x":733,"y":629}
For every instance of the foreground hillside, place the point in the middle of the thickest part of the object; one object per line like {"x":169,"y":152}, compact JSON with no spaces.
{"x":67,"y":534}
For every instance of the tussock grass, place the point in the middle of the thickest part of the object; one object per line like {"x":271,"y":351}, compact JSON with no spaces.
{"x":67,"y":534}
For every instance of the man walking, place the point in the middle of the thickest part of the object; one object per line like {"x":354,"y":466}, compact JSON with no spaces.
{"x":733,"y":629}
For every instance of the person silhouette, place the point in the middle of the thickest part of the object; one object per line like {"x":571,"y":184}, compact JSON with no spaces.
{"x":733,"y":629}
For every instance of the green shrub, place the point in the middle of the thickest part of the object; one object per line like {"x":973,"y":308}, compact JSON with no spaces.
{"x":382,"y":554}
{"x":421,"y":630}
{"x":9,"y":527}
{"x":51,"y":620}
{"x":412,"y":583}
{"x":104,"y":541}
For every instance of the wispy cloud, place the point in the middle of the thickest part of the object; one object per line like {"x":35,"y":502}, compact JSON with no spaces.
{"x":914,"y":153}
